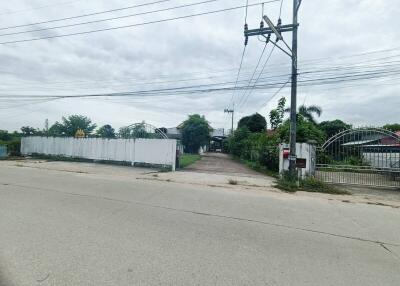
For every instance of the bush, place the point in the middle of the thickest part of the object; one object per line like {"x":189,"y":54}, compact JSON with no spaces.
{"x":259,"y":149}
{"x":13,"y":146}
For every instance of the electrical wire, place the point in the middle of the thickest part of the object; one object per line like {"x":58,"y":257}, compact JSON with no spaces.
{"x":255,"y":70}
{"x":232,"y":103}
{"x":85,"y":15}
{"x":280,"y":9}
{"x":133,"y":25}
{"x":258,"y":78}
{"x":110,"y":19}
{"x":39,"y":7}
{"x":275,"y":94}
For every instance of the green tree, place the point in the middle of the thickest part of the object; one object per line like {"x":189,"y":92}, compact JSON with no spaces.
{"x":57,"y":129}
{"x":70,"y":125}
{"x":106,"y":131}
{"x":255,"y":123}
{"x":139,"y":131}
{"x":276,"y":115}
{"x":306,"y":131}
{"x":333,"y":127}
{"x":4,"y":135}
{"x":28,"y":131}
{"x":195,"y":133}
{"x":124,"y":132}
{"x":392,"y":127}
{"x":236,"y":143}
{"x":73,"y":123}
{"x":308,"y":112}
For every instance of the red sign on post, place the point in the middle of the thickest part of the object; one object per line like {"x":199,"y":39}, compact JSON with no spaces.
{"x":286,"y":153}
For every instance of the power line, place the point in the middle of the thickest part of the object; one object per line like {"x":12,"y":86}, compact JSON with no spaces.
{"x":276,"y":93}
{"x":84,"y":15}
{"x":280,"y":9}
{"x":206,"y":87}
{"x":40,"y":7}
{"x":258,"y":78}
{"x":255,"y":70}
{"x":109,"y":19}
{"x":133,"y":25}
{"x":353,"y":76}
{"x":238,"y":74}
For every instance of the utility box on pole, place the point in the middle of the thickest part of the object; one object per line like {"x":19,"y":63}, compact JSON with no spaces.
{"x":305,"y":159}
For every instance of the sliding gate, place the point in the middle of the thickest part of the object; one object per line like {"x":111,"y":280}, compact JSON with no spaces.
{"x":361,"y":156}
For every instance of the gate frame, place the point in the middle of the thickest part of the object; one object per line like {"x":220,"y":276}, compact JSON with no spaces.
{"x":392,"y":171}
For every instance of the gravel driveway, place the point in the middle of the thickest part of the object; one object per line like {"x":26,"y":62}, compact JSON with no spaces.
{"x":220,"y":163}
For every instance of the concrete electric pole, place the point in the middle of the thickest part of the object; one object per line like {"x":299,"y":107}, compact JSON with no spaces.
{"x":233,"y":112}
{"x":292,"y":53}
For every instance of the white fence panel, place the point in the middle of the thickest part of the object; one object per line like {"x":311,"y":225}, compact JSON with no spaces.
{"x":148,"y":151}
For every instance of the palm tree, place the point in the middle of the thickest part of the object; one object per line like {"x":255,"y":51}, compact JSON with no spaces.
{"x":308,"y":112}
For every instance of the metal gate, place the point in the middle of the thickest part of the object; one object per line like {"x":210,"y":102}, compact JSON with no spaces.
{"x":360,"y":156}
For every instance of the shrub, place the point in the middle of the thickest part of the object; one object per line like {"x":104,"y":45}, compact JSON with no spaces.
{"x":14,"y":147}
{"x":261,"y":149}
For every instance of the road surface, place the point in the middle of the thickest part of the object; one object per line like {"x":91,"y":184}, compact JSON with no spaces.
{"x":86,"y":224}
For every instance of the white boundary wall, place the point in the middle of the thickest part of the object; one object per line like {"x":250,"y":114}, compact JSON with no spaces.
{"x":149,"y":151}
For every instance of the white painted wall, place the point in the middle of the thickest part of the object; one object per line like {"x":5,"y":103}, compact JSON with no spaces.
{"x":304,"y":151}
{"x":150,"y":151}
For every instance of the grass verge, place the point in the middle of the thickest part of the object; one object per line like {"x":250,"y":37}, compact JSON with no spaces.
{"x":188,"y":159}
{"x":308,"y":185}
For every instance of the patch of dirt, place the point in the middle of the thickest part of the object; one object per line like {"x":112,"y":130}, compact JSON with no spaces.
{"x":218,"y":163}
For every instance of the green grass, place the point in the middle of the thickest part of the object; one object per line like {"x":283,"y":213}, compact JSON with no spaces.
{"x":188,"y":159}
{"x":308,"y":185}
{"x":314,"y":185}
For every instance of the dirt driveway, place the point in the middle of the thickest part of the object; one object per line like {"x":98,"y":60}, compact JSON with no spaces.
{"x":218,"y":163}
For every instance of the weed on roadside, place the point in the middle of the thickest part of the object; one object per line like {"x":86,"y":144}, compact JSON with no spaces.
{"x":309,"y":184}
{"x":232,"y":182}
{"x":314,"y":185}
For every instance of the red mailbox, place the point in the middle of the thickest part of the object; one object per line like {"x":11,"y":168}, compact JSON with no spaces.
{"x":286,"y":153}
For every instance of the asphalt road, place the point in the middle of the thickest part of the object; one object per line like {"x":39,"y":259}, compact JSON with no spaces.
{"x":103,"y":226}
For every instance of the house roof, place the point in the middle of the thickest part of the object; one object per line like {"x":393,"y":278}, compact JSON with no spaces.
{"x":361,"y":142}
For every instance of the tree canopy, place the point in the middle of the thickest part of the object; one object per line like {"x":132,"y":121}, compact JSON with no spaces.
{"x":255,"y":123}
{"x":28,"y":131}
{"x":106,"y":131}
{"x":276,"y":115}
{"x":195,"y":133}
{"x":124,"y":132}
{"x":71,"y":124}
{"x":306,"y":131}
{"x":308,"y":112}
{"x":333,"y":127}
{"x":392,"y":127}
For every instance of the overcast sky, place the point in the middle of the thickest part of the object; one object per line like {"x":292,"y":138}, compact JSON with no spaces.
{"x":193,"y":51}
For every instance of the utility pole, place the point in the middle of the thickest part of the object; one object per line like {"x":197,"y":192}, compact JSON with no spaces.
{"x":233,"y":112}
{"x":293,"y":98}
{"x":292,"y":53}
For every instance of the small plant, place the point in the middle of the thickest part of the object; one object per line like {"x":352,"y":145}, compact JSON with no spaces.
{"x":188,"y":159}
{"x":310,"y":184}
{"x":232,"y":182}
{"x":287,"y":183}
{"x":155,"y":175}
